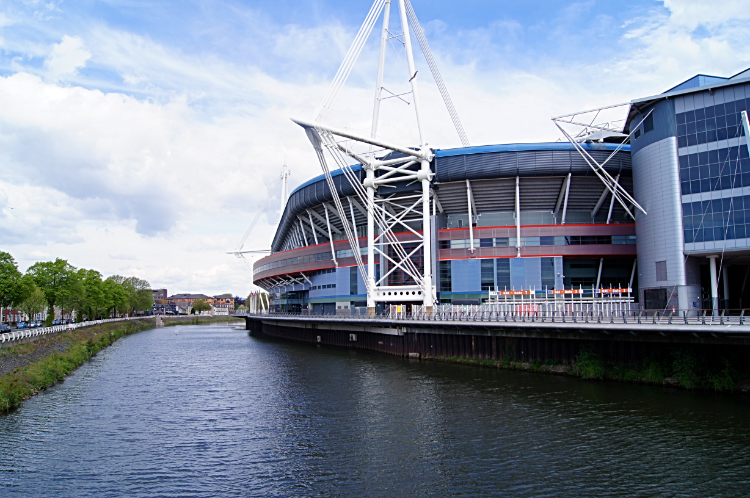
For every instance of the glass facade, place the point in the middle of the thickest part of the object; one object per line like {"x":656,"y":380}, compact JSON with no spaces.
{"x":714,"y":166}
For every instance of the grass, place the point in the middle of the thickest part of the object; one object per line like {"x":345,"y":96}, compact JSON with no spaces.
{"x":25,"y":382}
{"x":682,"y":368}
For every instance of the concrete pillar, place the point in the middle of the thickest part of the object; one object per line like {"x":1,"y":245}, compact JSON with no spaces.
{"x":714,"y":285}
{"x":725,"y":278}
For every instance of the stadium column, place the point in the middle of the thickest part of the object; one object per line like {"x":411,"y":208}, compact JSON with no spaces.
{"x":424,"y":175}
{"x":370,"y":184}
{"x":714,"y":285}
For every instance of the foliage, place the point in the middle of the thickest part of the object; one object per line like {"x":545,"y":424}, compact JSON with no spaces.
{"x":200,"y":305}
{"x":686,"y":368}
{"x":34,"y":303}
{"x":12,"y":289}
{"x":53,"y":278}
{"x":589,"y":364}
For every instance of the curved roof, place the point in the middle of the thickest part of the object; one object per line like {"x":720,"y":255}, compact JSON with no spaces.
{"x":469,"y":163}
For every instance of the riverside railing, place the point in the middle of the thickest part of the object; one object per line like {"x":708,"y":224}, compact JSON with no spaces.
{"x":19,"y":334}
{"x":483,"y":313}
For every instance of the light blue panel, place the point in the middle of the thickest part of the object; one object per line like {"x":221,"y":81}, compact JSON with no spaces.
{"x":526,"y":273}
{"x":559,"y":272}
{"x":466,"y":275}
{"x":361,"y":288}
{"x":342,"y":281}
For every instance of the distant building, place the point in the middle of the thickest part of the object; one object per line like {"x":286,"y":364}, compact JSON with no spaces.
{"x":159,"y":293}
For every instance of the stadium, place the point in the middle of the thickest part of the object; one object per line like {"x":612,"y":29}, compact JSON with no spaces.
{"x":538,"y":217}
{"x":508,"y":217}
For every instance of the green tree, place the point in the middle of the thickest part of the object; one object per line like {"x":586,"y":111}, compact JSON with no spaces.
{"x":34,"y":302}
{"x":11,"y":289}
{"x":96,"y":302}
{"x":115,"y":295}
{"x":54,"y":278}
{"x":201,"y":305}
{"x":140,"y":297}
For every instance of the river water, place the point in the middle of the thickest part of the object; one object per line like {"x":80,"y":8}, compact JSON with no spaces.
{"x":210,"y":411}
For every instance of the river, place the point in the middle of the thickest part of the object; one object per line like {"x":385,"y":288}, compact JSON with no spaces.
{"x":210,"y":411}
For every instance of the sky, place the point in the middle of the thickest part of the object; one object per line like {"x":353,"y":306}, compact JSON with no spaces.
{"x":142,"y":137}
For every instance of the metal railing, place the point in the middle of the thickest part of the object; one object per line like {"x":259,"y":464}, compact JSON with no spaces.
{"x":20,"y":334}
{"x":483,"y":314}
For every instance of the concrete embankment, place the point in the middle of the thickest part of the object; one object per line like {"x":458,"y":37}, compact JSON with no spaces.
{"x":694,"y":357}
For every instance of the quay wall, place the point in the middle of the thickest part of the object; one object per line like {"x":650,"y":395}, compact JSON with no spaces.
{"x":528,"y":342}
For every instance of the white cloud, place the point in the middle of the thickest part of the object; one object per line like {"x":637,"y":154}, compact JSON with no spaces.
{"x":66,"y":58}
{"x":159,"y":172}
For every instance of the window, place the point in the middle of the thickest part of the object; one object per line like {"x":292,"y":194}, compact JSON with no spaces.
{"x":548,"y":273}
{"x":353,"y":279}
{"x":661,"y":271}
{"x":503,"y":273}
{"x":637,"y":133}
{"x":488,"y":274}
{"x":485,"y":242}
{"x":648,"y":123}
{"x":446,"y":283}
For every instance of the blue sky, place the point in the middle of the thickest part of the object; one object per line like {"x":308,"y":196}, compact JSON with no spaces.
{"x":141,"y":137}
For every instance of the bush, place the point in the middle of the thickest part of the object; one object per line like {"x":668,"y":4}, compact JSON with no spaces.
{"x":686,"y":368}
{"x":589,"y":364}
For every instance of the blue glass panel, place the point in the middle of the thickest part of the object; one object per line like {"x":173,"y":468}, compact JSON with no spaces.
{"x":718,"y":233}
{"x":681,"y":142}
{"x":721,"y":122}
{"x":702,"y":137}
{"x":710,"y":124}
{"x":711,"y":136}
{"x":697,"y":209}
{"x":699,"y":235}
{"x":714,"y":170}
{"x":726,"y":182}
{"x":704,"y":172}
{"x":729,"y":107}
{"x":706,"y":185}
{"x":684,"y":162}
{"x":708,"y":235}
{"x":713,"y":156}
{"x":693,"y":159}
{"x":692,"y":140}
{"x":729,"y":233}
{"x":685,"y":188}
{"x":738,"y":202}
{"x":690,"y":128}
{"x":684,"y":175}
{"x":732,"y":120}
{"x":681,"y":130}
{"x":700,"y":125}
{"x":726,"y":203}
{"x":739,"y":231}
{"x":710,"y":111}
{"x":688,"y":236}
{"x":719,"y":110}
{"x":695,"y":187}
{"x":687,"y":209}
{"x":690,"y":116}
{"x":680,"y":118}
{"x":702,"y":158}
{"x":700,"y":114}
{"x":721,"y":134}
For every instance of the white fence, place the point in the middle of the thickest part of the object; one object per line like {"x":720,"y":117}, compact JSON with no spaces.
{"x":17,"y":335}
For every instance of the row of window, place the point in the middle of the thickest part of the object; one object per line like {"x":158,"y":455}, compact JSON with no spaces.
{"x":699,"y":208}
{"x":324,"y":271}
{"x":711,"y":123}
{"x":310,"y":258}
{"x":348,"y":253}
{"x":712,"y":111}
{"x":326,"y":286}
{"x":723,"y":156}
{"x":560,"y":240}
{"x":729,"y":232}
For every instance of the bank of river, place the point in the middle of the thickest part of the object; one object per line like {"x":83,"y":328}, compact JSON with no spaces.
{"x":209,"y":411}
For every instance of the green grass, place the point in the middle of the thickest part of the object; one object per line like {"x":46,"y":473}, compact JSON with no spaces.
{"x":23,"y":383}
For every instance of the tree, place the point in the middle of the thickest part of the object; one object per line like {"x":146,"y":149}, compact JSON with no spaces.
{"x":115,"y":295}
{"x":200,"y":305}
{"x":53,"y":278}
{"x":34,"y":303}
{"x":140,"y":297}
{"x":11,"y":291}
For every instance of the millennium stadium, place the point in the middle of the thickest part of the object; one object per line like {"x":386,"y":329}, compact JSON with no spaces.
{"x":651,"y":212}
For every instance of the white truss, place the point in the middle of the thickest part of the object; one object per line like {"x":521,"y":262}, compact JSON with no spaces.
{"x":598,"y":131}
{"x":385,"y":216}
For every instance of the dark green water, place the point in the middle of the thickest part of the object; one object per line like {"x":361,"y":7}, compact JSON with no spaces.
{"x":212,"y":412}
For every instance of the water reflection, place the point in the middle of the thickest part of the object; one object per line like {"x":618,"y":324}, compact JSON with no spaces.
{"x":211,"y":411}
